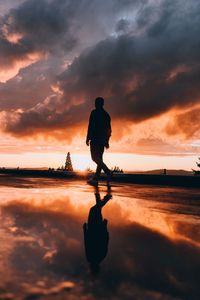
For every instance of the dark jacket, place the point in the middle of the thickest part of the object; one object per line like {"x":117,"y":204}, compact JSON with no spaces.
{"x":99,"y":128}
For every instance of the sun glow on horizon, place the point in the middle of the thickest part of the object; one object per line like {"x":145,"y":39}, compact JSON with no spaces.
{"x":83,"y":161}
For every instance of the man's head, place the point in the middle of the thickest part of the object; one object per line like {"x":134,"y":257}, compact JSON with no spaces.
{"x":99,"y":102}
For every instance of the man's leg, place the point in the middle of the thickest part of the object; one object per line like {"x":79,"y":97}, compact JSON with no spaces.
{"x":97,"y":157}
{"x":101,"y":165}
{"x":98,"y":172}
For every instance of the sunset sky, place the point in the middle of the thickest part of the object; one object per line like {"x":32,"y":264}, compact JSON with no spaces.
{"x":142,"y":56}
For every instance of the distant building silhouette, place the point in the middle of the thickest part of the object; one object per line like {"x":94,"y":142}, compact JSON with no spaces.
{"x":68,"y":163}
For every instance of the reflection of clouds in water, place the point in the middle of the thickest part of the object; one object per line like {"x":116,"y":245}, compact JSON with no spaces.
{"x":52,"y":250}
{"x":141,"y":264}
{"x":155,"y":262}
{"x":191,"y":232}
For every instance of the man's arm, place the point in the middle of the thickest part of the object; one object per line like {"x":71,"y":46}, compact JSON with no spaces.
{"x":90,"y":127}
{"x":109,"y":131}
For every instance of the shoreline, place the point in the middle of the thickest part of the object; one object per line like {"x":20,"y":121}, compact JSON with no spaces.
{"x":134,"y":178}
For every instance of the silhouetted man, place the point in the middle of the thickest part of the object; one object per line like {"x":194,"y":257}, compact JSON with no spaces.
{"x":98,"y":135}
{"x":96,"y":236}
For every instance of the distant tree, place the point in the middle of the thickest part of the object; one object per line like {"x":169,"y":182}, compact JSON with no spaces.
{"x":116,"y":169}
{"x":51,"y":169}
{"x":68,"y":163}
{"x":197,"y":172}
{"x":198,"y":163}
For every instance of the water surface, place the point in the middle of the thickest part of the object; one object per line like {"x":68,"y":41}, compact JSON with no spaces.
{"x":153,"y":249}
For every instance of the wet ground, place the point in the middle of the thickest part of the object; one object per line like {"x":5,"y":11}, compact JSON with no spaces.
{"x":143,"y":243}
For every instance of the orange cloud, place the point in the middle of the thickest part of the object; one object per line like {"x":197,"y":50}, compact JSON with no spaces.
{"x":186,"y":124}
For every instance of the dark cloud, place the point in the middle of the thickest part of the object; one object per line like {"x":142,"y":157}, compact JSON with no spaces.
{"x":142,"y":76}
{"x":30,"y":86}
{"x":9,"y":4}
{"x":142,"y":73}
{"x":40,"y":27}
{"x":48,"y":29}
{"x":49,"y":26}
{"x":51,"y":116}
{"x":122,"y":26}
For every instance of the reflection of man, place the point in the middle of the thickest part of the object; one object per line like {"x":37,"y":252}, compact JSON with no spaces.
{"x":96,"y":235}
{"x":98,"y":135}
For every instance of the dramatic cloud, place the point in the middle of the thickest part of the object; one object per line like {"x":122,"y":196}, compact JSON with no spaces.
{"x":146,"y":75}
{"x":145,"y":65}
{"x":34,"y":29}
{"x":32,"y":85}
{"x":187,"y":123}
